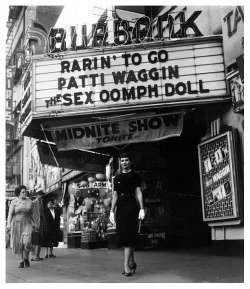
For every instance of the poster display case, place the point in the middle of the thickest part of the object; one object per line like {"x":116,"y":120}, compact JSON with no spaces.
{"x":217,"y":164}
{"x":88,"y":212}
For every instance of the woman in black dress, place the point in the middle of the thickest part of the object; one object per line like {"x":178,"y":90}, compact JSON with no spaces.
{"x":127,"y":188}
{"x":51,"y":238}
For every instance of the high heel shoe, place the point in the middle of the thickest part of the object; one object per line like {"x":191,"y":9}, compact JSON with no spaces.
{"x":26,"y":262}
{"x":21,"y":265}
{"x":127,"y":274}
{"x":133,"y":268}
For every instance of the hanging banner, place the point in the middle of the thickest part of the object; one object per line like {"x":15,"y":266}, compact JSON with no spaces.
{"x":113,"y":133}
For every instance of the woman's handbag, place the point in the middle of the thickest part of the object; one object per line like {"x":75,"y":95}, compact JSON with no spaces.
{"x":35,"y":238}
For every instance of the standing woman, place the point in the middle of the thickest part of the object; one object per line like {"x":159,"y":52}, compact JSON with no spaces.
{"x":51,"y":238}
{"x":127,"y":188}
{"x":40,"y":223}
{"x":21,"y":224}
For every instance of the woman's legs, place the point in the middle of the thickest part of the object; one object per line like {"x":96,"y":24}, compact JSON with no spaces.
{"x":25,"y":254}
{"x":38,"y":251}
{"x":33,"y":252}
{"x":51,"y":250}
{"x":129,"y":258}
{"x":127,"y":253}
{"x":21,"y":256}
{"x":132,"y":258}
{"x":21,"y":265}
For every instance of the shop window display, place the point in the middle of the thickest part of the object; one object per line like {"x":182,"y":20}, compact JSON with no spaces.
{"x":88,"y":212}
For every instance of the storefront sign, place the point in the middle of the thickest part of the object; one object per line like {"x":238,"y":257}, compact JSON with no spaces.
{"x":100,"y":185}
{"x":162,"y":75}
{"x":217,"y":175}
{"x":118,"y":132}
{"x":95,"y":185}
{"x":160,"y":235}
{"x":76,"y":160}
{"x":151,"y":200}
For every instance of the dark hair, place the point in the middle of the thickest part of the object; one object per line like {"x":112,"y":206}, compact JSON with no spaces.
{"x":17,"y":191}
{"x":39,"y":193}
{"x":50,"y":200}
{"x":125,"y":155}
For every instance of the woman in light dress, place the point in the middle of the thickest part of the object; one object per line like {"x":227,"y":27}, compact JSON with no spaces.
{"x":21,"y":224}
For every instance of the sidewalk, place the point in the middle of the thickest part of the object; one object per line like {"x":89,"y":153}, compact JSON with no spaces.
{"x":105,"y":266}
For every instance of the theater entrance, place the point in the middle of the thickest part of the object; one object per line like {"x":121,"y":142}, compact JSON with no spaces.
{"x":169,"y":171}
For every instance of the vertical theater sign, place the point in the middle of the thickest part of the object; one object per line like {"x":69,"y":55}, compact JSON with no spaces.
{"x":9,"y":94}
{"x":233,"y":39}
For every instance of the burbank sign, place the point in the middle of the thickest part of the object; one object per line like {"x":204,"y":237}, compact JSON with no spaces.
{"x":121,"y":33}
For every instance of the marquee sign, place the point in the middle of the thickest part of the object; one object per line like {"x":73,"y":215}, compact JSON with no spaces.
{"x":217,"y":176}
{"x":95,"y":135}
{"x":97,"y":81}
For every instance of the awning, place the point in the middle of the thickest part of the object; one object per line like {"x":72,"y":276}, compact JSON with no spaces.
{"x":54,"y":187}
{"x":72,"y":174}
{"x":80,"y":160}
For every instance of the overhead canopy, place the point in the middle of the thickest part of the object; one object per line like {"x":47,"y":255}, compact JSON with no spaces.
{"x":74,"y":159}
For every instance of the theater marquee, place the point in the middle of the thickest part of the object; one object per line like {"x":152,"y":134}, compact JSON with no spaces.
{"x":163,"y":74}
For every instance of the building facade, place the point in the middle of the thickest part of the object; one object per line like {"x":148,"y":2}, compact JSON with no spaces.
{"x":164,"y":83}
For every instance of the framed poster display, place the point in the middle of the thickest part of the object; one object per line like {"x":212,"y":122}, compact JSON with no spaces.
{"x":217,"y":166}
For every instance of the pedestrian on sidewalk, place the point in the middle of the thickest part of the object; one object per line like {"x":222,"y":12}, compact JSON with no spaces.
{"x":40,"y":224}
{"x":127,"y":191}
{"x":21,"y":224}
{"x":51,"y":238}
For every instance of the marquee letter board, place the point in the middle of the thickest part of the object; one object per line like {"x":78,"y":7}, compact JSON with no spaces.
{"x":217,"y":176}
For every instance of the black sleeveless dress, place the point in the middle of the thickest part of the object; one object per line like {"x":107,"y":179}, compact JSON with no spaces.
{"x":127,"y":209}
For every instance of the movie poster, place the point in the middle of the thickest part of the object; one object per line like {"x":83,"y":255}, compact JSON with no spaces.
{"x":217,"y":177}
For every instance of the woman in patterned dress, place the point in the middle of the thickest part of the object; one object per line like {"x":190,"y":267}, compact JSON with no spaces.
{"x":21,"y":224}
